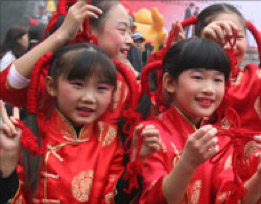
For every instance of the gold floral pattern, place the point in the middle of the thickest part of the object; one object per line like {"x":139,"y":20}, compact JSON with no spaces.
{"x":110,"y":136}
{"x":81,"y":185}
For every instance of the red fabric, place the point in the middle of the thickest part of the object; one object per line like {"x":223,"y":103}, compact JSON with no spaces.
{"x":210,"y":183}
{"x":77,"y":170}
{"x":28,"y":139}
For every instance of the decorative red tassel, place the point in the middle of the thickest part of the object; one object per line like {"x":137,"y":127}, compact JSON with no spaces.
{"x":134,"y":168}
{"x":28,"y":139}
{"x":238,"y":138}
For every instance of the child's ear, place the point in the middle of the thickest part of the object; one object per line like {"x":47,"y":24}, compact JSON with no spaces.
{"x":51,"y":86}
{"x":168,"y":83}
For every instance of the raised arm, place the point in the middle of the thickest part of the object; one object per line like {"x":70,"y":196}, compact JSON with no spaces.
{"x":68,"y":30}
{"x":200,"y":147}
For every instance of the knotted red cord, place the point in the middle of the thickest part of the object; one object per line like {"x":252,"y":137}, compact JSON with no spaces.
{"x":256,"y":35}
{"x":134,"y":168}
{"x":238,"y":137}
{"x":62,"y":9}
{"x":132,"y":119}
{"x":27,"y":138}
{"x":32,"y":95}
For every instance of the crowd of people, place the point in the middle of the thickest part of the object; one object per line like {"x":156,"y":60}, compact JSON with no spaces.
{"x":95,"y":132}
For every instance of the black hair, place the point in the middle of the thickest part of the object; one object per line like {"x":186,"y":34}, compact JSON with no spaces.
{"x":196,"y":53}
{"x":75,"y":61}
{"x":105,"y":6}
{"x":82,"y":60}
{"x":209,"y":13}
{"x":10,"y":43}
{"x":184,"y":55}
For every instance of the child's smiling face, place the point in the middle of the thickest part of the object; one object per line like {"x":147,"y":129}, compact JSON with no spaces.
{"x":198,"y":92}
{"x":82,"y":101}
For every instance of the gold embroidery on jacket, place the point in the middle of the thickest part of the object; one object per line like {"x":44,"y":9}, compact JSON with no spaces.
{"x":117,"y":94}
{"x":101,"y":131}
{"x":110,"y":136}
{"x":195,"y":191}
{"x":81,"y":185}
{"x":250,"y":148}
{"x":257,"y":106}
{"x":228,"y":163}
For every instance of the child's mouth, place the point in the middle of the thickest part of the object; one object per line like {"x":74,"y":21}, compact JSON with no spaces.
{"x":85,"y":112}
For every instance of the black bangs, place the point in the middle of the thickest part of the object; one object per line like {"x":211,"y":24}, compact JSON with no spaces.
{"x":196,"y":53}
{"x":81,"y":61}
{"x":89,"y":64}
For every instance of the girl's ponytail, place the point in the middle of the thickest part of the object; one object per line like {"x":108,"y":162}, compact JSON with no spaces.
{"x":31,"y":163}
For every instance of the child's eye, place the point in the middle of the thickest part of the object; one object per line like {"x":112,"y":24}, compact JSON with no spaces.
{"x":77,"y":84}
{"x":219,"y":80}
{"x":103,"y":88}
{"x":198,"y":77}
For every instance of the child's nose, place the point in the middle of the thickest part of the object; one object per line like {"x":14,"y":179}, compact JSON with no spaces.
{"x":208,"y":88}
{"x":88,"y":97}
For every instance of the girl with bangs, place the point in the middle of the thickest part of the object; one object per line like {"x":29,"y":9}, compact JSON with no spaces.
{"x":80,"y":157}
{"x":75,"y":145}
{"x":184,"y":170}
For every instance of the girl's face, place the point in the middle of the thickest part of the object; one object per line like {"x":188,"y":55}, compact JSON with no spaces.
{"x":115,"y":37}
{"x":241,"y":43}
{"x":81,"y":101}
{"x":198,"y":92}
{"x":24,"y":41}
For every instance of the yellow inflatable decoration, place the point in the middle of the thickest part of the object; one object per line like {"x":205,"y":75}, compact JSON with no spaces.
{"x":150,"y":24}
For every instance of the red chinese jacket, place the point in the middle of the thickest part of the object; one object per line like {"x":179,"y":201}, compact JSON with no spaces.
{"x":76,"y":169}
{"x":210,"y":182}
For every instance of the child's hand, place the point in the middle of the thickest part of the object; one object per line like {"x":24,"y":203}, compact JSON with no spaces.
{"x":75,"y":18}
{"x":180,"y":35}
{"x":200,"y":146}
{"x":218,"y":30}
{"x":9,"y":141}
{"x":150,"y":141}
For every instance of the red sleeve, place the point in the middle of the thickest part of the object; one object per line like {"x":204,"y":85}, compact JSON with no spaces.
{"x":245,"y":96}
{"x":115,"y":171}
{"x":15,"y":97}
{"x":154,"y":170}
{"x":154,"y":194}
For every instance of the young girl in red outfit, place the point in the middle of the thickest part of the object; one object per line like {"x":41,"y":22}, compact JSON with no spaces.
{"x":216,"y":22}
{"x":194,"y":75}
{"x":75,"y":144}
{"x":81,"y":156}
